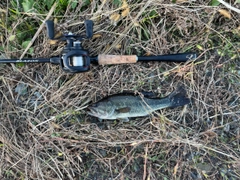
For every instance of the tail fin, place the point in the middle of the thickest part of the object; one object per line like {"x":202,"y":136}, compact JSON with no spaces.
{"x":178,"y":97}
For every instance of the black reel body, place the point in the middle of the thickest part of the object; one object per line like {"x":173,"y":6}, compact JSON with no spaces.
{"x":74,"y":58}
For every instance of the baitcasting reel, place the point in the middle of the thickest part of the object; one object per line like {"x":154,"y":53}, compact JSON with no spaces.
{"x":75,"y":59}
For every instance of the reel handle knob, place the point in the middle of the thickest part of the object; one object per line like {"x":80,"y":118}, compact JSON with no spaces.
{"x":89,"y":28}
{"x":50,"y":29}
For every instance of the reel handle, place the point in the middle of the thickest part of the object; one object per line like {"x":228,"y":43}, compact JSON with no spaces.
{"x":89,"y":28}
{"x":50,"y":29}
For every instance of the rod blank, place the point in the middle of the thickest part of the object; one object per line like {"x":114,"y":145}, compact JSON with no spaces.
{"x":181,"y":57}
{"x":29,"y":60}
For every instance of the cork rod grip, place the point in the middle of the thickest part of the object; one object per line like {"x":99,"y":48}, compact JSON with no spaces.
{"x":116,"y":59}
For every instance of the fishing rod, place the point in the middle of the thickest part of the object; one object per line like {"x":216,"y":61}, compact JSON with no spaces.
{"x":75,"y":59}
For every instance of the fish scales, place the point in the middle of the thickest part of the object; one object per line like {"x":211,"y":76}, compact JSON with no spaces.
{"x":138,"y":105}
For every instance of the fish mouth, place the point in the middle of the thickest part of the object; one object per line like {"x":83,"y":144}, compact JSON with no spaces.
{"x":92,"y":111}
{"x":95,"y":111}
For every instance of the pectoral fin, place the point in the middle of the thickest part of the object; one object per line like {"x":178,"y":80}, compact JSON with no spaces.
{"x":123,"y":110}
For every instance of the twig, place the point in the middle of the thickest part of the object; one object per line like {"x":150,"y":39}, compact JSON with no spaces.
{"x":145,"y":163}
{"x":39,"y":30}
{"x":51,"y":119}
{"x":229,"y":6}
{"x":54,"y":117}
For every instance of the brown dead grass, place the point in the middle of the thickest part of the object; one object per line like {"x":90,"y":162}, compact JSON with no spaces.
{"x":46,"y":134}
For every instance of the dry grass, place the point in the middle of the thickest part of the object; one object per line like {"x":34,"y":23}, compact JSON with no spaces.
{"x":46,"y":134}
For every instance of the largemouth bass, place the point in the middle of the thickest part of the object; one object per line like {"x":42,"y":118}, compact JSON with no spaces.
{"x":124,"y":106}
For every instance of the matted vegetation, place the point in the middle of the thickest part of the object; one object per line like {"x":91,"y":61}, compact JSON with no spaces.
{"x":45,"y":132}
